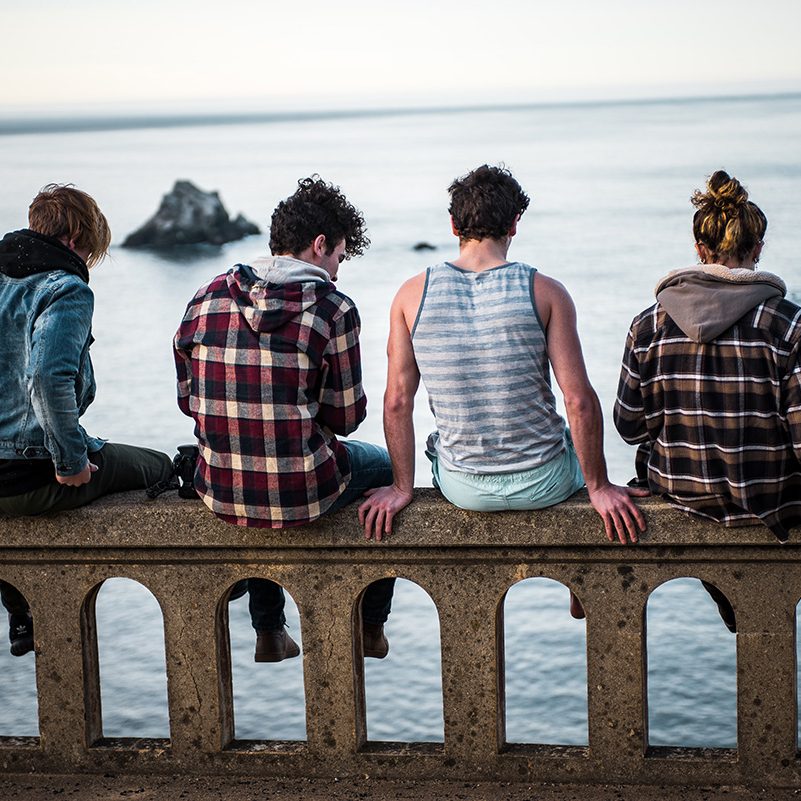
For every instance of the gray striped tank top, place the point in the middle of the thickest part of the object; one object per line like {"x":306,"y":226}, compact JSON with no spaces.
{"x":480,"y":347}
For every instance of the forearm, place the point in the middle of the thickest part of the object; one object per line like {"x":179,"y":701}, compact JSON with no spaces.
{"x":399,"y":434}
{"x":587,"y":430}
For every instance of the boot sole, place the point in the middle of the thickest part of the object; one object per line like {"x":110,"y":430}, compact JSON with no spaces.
{"x":291,"y":654}
{"x":22,"y":646}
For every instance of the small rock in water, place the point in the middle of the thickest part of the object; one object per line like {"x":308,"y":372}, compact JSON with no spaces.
{"x":424,"y":246}
{"x":188,"y":216}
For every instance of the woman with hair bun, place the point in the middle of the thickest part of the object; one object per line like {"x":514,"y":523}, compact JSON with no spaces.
{"x":710,"y":387}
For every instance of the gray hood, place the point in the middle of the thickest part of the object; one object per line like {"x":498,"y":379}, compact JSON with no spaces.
{"x":286,"y":270}
{"x":707,"y":299}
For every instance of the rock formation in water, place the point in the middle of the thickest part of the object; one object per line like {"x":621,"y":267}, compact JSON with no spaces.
{"x":189,"y":216}
{"x":424,"y":246}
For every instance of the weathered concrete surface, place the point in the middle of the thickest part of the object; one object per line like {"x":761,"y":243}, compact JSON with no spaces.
{"x":131,"y":521}
{"x":466,"y":562}
{"x":91,"y":788}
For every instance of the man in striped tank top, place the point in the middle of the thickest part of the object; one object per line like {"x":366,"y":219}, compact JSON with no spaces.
{"x":483,"y":333}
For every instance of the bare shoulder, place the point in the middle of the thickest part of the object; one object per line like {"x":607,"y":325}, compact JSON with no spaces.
{"x":552,"y":298}
{"x":550,"y":288}
{"x":408,"y":297}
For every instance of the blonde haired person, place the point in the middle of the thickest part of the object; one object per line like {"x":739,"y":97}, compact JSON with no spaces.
{"x":710,"y":387}
{"x":48,"y":463}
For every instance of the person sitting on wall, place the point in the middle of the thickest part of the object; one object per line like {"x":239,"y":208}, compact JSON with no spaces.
{"x":483,"y":333}
{"x":269,"y":367}
{"x":710,"y":386}
{"x":48,"y":463}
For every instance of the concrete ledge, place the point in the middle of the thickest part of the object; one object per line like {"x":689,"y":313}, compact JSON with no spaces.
{"x":132,"y":521}
{"x":467,"y":562}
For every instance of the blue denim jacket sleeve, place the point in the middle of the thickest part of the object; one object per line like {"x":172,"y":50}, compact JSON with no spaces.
{"x":58,"y":346}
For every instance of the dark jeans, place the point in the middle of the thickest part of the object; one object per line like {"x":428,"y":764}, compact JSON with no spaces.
{"x":370,"y":467}
{"x":120,"y":468}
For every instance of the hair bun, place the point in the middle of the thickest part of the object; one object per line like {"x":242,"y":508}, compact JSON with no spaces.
{"x":724,"y":193}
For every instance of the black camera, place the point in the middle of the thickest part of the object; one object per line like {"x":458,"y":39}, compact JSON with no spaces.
{"x":183,"y":475}
{"x":183,"y":465}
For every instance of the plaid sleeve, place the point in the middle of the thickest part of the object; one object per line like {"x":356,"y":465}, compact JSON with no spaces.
{"x":343,"y":404}
{"x":629,"y":414}
{"x":183,"y":370}
{"x":791,"y":401}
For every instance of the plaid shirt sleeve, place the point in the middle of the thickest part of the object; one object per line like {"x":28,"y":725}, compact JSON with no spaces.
{"x":629,"y":414}
{"x":183,"y":370}
{"x":791,"y":401}
{"x":343,"y":404}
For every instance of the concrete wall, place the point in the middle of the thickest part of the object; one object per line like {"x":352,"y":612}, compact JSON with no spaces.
{"x":466,"y":562}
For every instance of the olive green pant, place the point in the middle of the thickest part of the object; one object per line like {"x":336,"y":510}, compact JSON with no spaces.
{"x":120,"y":468}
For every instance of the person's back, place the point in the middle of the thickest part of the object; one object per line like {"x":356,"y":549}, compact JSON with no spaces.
{"x":482,"y":354}
{"x":711,"y":382}
{"x":263,"y":390}
{"x":44,"y":298}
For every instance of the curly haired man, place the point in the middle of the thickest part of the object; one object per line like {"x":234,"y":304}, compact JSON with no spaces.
{"x":269,"y":367}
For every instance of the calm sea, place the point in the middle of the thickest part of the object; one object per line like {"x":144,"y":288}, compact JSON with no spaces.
{"x":610,"y":214}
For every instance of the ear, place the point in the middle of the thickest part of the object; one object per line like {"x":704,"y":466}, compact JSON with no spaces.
{"x":704,"y":254}
{"x":319,"y":245}
{"x":454,"y":230}
{"x":513,"y":228}
{"x":757,"y":252}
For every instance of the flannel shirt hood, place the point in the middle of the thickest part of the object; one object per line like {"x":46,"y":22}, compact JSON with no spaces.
{"x":276,"y":290}
{"x":707,"y":299}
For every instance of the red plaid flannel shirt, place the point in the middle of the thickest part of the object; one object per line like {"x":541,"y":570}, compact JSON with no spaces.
{"x":270,"y":374}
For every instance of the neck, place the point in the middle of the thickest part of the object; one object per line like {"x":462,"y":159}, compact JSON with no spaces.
{"x":482,"y":254}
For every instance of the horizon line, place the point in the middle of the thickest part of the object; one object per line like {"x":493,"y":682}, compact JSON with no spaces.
{"x":43,"y":125}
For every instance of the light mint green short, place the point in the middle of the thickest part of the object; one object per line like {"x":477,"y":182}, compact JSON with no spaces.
{"x":543,"y":486}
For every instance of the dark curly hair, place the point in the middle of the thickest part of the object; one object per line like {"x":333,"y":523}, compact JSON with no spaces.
{"x":485,"y":202}
{"x":317,"y":208}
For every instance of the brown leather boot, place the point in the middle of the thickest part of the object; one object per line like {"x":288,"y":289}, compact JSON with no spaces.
{"x":275,"y":646}
{"x":374,"y":641}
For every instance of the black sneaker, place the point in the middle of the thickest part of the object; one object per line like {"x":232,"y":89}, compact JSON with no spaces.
{"x":20,"y":633}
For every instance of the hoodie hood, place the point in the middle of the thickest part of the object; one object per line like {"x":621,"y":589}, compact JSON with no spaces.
{"x":25,"y":252}
{"x":707,"y":299}
{"x":274,"y":290}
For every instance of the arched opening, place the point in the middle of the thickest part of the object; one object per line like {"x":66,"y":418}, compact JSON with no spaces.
{"x":403,"y":690}
{"x":269,"y":701}
{"x":545,"y":665}
{"x":18,"y":699}
{"x":692,"y":667}
{"x":131,"y":660}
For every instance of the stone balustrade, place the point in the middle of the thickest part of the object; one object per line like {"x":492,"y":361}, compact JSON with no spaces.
{"x":466,"y":562}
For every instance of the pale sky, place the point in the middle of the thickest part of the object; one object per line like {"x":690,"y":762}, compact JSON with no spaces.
{"x":230,"y":53}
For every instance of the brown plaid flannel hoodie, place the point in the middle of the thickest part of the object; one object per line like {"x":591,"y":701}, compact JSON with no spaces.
{"x":710,"y":389}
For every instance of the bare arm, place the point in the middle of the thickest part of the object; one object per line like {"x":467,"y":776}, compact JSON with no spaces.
{"x":378,"y":512}
{"x":621,"y":517}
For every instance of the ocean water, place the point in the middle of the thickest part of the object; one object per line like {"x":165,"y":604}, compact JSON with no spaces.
{"x":610,"y":214}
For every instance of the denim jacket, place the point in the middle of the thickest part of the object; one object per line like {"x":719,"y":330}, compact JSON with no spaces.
{"x":46,"y":373}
